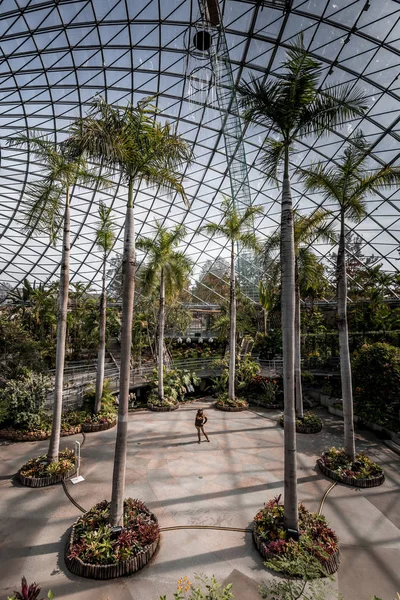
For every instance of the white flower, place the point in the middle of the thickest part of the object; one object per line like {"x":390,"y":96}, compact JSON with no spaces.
{"x":210,"y":340}
{"x":179,"y":340}
{"x":188,"y":340}
{"x":200,"y":340}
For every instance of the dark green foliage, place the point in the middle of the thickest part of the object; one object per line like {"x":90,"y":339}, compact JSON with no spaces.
{"x":269,"y":345}
{"x":22,"y":400}
{"x":376,"y":381}
{"x":177,"y":383}
{"x":19,"y":350}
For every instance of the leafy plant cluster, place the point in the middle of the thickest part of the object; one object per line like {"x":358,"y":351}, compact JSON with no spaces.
{"x":309,"y":418}
{"x":266,"y":391}
{"x":376,"y":376}
{"x":186,"y":350}
{"x":177,"y":383}
{"x":316,"y":538}
{"x":40,"y":467}
{"x":362,"y":468}
{"x":22,"y":400}
{"x":209,"y":589}
{"x":246,"y":370}
{"x":224,"y":400}
{"x":93,"y":542}
{"x":332,"y":387}
{"x":108,"y":412}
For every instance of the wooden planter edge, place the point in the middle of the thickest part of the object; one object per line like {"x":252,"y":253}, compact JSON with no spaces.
{"x":231,"y":408}
{"x":361,"y":483}
{"x":38,"y":482}
{"x":94,"y":427}
{"x":112,"y":571}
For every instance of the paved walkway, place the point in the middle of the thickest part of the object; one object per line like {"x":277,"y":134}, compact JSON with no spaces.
{"x":221,"y":483}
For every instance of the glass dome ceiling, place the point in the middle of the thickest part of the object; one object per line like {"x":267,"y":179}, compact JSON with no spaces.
{"x":56,"y":56}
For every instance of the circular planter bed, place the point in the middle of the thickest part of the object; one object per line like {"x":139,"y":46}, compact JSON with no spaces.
{"x":273,"y":543}
{"x":157,"y":408}
{"x":130,"y":549}
{"x":228,"y":408}
{"x":310,"y":423}
{"x":33,"y":473}
{"x":363,"y":473}
{"x":34,"y":436}
{"x":90,"y":427}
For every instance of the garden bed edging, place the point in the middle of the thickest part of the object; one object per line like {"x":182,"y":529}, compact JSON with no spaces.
{"x":361,"y":483}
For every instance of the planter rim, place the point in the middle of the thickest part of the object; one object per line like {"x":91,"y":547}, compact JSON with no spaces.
{"x":37,"y":482}
{"x":12,"y":435}
{"x":331,"y":565}
{"x":156,"y":408}
{"x":231,"y":408}
{"x":93,"y":427}
{"x":112,"y":570}
{"x":362,"y":483}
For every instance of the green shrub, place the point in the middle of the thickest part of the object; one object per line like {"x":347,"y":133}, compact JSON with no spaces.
{"x":177,"y":383}
{"x":376,"y":379}
{"x":22,"y":401}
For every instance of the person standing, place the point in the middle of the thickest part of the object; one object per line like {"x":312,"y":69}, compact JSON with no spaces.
{"x":200,"y":421}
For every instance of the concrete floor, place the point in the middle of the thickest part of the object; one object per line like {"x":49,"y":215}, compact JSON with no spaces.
{"x":222,"y":483}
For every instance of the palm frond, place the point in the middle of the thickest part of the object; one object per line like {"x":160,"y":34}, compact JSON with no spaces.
{"x":45,"y":209}
{"x":331,"y":108}
{"x":272,"y":158}
{"x":105,"y":234}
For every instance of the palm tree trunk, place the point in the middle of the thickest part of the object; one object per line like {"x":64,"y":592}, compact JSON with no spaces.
{"x":232,"y":338}
{"x":161,"y":325}
{"x":265,"y":313}
{"x":102,"y":342}
{"x":128,"y":293}
{"x":297,"y":348}
{"x":54,"y":445}
{"x":345,"y":365}
{"x":288,"y":310}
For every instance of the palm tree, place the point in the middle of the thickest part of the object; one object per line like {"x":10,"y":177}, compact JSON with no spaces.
{"x":105,"y":240}
{"x":169,"y":268}
{"x":234,"y":227}
{"x":49,"y":201}
{"x":291,"y":107}
{"x":307,"y":230}
{"x":349,"y":184}
{"x":130,"y":140}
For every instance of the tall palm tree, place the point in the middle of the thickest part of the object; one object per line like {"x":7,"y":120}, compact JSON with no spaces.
{"x":348,"y":183}
{"x":49,"y":202}
{"x":291,"y":107}
{"x":169,"y":268}
{"x":105,"y":237}
{"x":306,"y":230}
{"x":130,"y":140}
{"x":235,"y":227}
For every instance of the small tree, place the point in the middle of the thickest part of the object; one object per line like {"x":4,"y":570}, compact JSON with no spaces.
{"x":234,"y":227}
{"x":348,"y":183}
{"x":49,"y":207}
{"x":132,"y":142}
{"x":105,"y":240}
{"x":168,"y":268}
{"x":291,"y":107}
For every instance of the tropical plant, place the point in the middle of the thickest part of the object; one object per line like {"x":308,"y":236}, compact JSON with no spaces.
{"x":376,"y":369}
{"x":22,"y":400}
{"x":29,"y":592}
{"x":235,"y":227}
{"x":168,"y":268}
{"x":348,"y":184}
{"x":307,"y":230}
{"x":105,"y":237}
{"x":291,"y":107}
{"x":48,"y":209}
{"x":268,"y":296}
{"x":130,"y":140}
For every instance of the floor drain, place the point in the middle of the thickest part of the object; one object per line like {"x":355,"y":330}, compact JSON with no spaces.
{"x":200,"y":477}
